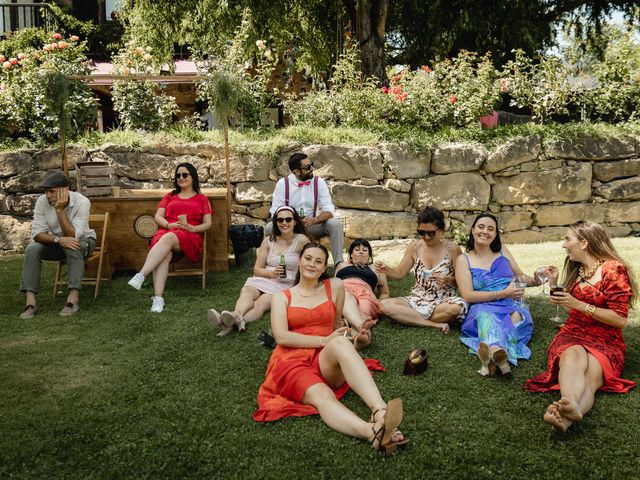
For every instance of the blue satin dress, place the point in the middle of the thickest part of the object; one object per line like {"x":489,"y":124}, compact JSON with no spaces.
{"x":490,"y":322}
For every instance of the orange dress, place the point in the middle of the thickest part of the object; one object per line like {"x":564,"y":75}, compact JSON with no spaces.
{"x":291,"y":371}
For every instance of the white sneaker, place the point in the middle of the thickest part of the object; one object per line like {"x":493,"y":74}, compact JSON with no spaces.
{"x":157,"y":304}
{"x":137,"y":281}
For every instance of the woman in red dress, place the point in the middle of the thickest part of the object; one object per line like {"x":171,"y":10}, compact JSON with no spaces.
{"x":183,"y":215}
{"x":587,"y":354}
{"x":314,"y":363}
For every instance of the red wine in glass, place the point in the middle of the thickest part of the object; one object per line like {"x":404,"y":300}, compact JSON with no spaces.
{"x":553,"y":289}
{"x":556,"y":289}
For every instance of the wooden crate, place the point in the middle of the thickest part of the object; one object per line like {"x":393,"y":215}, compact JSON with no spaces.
{"x":95,"y":179}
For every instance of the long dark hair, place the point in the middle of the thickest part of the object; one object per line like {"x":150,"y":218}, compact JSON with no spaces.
{"x":496,"y":245}
{"x":361,"y":242}
{"x":298,"y":226}
{"x":309,"y":245}
{"x":194,"y":178}
{"x":432,"y":215}
{"x":599,"y":246}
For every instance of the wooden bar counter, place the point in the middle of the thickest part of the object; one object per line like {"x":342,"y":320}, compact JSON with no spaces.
{"x":128,"y":250}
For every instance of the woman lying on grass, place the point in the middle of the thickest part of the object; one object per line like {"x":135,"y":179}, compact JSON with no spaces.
{"x":314,"y":363}
{"x":587,"y":354}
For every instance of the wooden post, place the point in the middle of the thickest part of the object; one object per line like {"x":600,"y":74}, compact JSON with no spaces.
{"x":225,"y":129}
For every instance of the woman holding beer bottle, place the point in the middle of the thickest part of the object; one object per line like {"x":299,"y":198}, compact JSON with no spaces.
{"x":274,"y":271}
{"x":587,"y":354}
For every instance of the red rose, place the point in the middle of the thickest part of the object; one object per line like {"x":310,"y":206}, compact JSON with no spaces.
{"x":57,"y":36}
{"x":453,"y":99}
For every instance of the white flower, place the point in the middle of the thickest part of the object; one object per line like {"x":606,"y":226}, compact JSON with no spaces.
{"x":260,"y":44}
{"x":268,"y":55}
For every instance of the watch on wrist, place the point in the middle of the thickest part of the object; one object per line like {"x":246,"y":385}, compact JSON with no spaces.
{"x":56,"y":239}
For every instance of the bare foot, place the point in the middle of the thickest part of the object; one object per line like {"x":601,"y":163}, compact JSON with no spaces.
{"x":553,"y":417}
{"x":443,"y":327}
{"x":569,"y":409}
{"x":362,"y":339}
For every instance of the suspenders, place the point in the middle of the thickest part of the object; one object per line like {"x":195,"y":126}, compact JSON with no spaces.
{"x":315,"y":193}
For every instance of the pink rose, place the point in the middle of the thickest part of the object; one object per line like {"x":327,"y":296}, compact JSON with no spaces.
{"x":14,"y":61}
{"x":6,"y":65}
{"x":2,"y":58}
{"x":21,"y":56}
{"x":56,"y":36}
{"x":62,"y":45}
{"x":74,"y":38}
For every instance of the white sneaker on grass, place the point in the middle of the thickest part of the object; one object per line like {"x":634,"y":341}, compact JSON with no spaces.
{"x":157,"y":304}
{"x":137,"y":281}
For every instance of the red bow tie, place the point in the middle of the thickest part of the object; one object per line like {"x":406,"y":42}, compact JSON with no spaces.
{"x":307,"y":182}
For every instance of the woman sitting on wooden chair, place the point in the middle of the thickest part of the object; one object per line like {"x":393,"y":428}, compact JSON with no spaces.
{"x":183,"y":215}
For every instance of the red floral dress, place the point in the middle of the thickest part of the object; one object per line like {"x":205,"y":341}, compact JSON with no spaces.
{"x":603,"y":341}
{"x":291,"y":371}
{"x":195,"y":208}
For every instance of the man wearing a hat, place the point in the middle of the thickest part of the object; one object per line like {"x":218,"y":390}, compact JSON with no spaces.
{"x":60,"y":231}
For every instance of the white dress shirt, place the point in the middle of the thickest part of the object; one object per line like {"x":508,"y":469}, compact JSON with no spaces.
{"x":45,"y":219}
{"x":302,"y":197}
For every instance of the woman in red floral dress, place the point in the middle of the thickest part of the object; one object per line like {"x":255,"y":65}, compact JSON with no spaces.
{"x":587,"y":354}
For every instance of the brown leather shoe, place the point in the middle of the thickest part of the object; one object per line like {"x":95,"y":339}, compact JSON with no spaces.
{"x":69,"y":309}
{"x":29,"y":312}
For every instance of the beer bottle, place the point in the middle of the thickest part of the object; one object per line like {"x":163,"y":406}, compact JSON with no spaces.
{"x":283,"y":264}
{"x":301,"y":212}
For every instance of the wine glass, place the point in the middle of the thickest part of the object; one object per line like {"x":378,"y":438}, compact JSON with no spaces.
{"x":520,"y":281}
{"x":553,"y":289}
{"x":541,"y":274}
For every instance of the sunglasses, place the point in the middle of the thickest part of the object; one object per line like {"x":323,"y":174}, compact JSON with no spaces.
{"x":425,"y":233}
{"x":307,"y":167}
{"x":183,"y":175}
{"x":284,"y":219}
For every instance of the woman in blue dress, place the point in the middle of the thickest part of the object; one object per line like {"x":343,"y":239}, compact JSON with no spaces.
{"x":497,"y":327}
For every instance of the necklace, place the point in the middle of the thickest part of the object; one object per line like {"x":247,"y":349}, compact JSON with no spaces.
{"x":586,"y":275}
{"x":299,"y":292}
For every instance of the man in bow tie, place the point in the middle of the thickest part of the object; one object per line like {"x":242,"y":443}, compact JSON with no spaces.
{"x":310,"y":197}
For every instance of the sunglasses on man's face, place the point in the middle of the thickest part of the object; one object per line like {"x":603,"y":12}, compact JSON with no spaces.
{"x":307,"y":167}
{"x":284,"y":219}
{"x":183,"y":175}
{"x":425,"y":233}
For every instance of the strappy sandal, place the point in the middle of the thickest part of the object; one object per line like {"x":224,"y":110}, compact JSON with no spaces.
{"x":385,"y":434}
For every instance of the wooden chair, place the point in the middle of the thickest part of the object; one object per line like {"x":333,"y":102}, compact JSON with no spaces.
{"x":100,"y":222}
{"x":186,"y":267}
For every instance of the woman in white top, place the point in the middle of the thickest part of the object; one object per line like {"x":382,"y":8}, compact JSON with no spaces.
{"x":288,"y":238}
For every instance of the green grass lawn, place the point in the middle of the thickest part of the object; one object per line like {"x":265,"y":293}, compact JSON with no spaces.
{"x":119,"y":392}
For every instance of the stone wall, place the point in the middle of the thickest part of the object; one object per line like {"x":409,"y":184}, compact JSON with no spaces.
{"x":536,"y":188}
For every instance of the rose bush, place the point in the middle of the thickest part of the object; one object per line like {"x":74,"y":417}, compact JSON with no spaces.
{"x":35,"y":86}
{"x":140,"y":104}
{"x":455,"y":92}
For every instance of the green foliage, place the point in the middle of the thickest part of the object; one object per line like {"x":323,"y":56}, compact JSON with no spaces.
{"x":541,"y":86}
{"x":455,"y":92}
{"x":140,"y":103}
{"x":231,"y":89}
{"x":36,"y":93}
{"x":612,"y":75}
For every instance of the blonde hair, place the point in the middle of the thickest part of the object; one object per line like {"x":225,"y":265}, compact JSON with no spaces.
{"x":600,"y":247}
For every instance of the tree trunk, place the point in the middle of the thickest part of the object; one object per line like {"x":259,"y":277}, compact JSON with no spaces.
{"x":369,"y":18}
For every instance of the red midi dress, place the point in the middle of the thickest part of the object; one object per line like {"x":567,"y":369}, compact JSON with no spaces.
{"x":291,"y":371}
{"x":195,"y":208}
{"x":604,"y":342}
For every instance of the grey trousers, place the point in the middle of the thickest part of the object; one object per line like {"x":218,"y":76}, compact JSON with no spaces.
{"x":332,"y":228}
{"x":36,"y":252}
